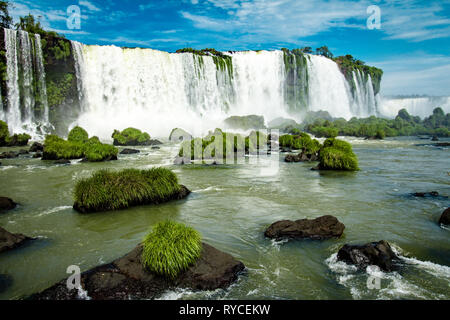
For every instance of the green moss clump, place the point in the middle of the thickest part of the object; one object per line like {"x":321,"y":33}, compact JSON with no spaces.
{"x":12,"y":141}
{"x":58,"y":89}
{"x":78,"y":146}
{"x":107,"y":190}
{"x":337,"y":155}
{"x":78,"y":134}
{"x":170,"y":249}
{"x":130,"y":137}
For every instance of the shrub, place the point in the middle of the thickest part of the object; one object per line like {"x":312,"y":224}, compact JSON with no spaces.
{"x":171,"y":248}
{"x":107,"y":190}
{"x":130,"y":137}
{"x":11,"y":141}
{"x":56,"y":148}
{"x":4,"y":133}
{"x":78,"y":134}
{"x":337,"y":155}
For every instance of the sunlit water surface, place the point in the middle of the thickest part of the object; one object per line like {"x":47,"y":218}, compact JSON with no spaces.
{"x":231,"y":206}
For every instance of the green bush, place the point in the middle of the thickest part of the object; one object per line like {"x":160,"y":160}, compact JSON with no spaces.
{"x":107,"y":190}
{"x":78,"y":134}
{"x":77,"y":146}
{"x":130,"y":137}
{"x":170,"y":249}
{"x":12,"y":141}
{"x":337,"y":155}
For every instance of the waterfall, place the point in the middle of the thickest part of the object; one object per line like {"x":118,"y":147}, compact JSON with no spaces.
{"x":77,"y":49}
{"x":42,"y":88}
{"x":328,"y":89}
{"x":27,"y":106}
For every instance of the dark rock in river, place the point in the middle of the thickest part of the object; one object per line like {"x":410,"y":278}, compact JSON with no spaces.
{"x":442,"y":144}
{"x":9,"y":155}
{"x":426,"y":194}
{"x":155,"y":148}
{"x":301,"y":157}
{"x":6,"y":204}
{"x":37,"y":155}
{"x":445,"y":217}
{"x":10,"y":241}
{"x":125,"y":278}
{"x":154,"y":142}
{"x":129,"y":151}
{"x":181,"y":161}
{"x":36,"y":147}
{"x":376,"y":253}
{"x":320,"y":228}
{"x":435,"y":138}
{"x":62,"y":161}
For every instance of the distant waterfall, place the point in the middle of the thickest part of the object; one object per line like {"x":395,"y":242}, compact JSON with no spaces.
{"x":27,"y":105}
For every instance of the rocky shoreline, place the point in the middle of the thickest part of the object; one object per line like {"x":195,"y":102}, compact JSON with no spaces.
{"x":125,"y":278}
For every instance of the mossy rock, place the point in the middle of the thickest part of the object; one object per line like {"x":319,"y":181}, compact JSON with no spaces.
{"x":245,"y":122}
{"x":131,"y":137}
{"x":337,"y":155}
{"x":109,"y":190}
{"x":170,"y":249}
{"x":78,"y":146}
{"x":16,"y":140}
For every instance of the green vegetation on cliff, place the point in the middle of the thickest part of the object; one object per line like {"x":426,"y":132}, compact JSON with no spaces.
{"x":222,"y":61}
{"x":171,"y":248}
{"x":378,"y":128}
{"x":108,"y":190}
{"x":78,"y":146}
{"x":130,"y":137}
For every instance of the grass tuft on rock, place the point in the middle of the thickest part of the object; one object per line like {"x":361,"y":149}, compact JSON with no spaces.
{"x":337,"y":155}
{"x":130,"y":137}
{"x":115,"y":190}
{"x":12,"y":141}
{"x":171,"y":248}
{"x":78,"y":146}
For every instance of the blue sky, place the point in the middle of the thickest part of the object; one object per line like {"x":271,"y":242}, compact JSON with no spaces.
{"x":412,"y":46}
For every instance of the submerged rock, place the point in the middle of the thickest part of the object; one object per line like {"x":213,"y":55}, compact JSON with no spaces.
{"x":426,"y":194}
{"x":36,"y":147}
{"x":37,"y":155}
{"x":6,"y":204}
{"x":435,"y":138}
{"x":154,"y":142}
{"x":181,"y":161}
{"x":375,"y":253}
{"x":129,"y":151}
{"x":62,"y":161}
{"x":125,"y":278}
{"x":445,"y":217}
{"x":318,"y":229}
{"x":10,"y":241}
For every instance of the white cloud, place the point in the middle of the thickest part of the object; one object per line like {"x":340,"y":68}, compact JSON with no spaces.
{"x":91,"y":7}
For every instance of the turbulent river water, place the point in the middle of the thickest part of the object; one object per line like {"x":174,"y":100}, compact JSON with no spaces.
{"x":231,"y":206}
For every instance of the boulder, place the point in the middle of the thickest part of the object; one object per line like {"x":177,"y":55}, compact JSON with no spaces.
{"x":155,"y":148}
{"x":6,"y":204}
{"x":435,"y":138}
{"x":154,"y":142}
{"x":125,"y":278}
{"x":22,"y":152}
{"x":181,"y":161}
{"x":318,"y":229}
{"x":9,"y":155}
{"x":129,"y":151}
{"x":445,"y":217}
{"x":302,"y":157}
{"x":36,"y":147}
{"x":245,"y":122}
{"x":37,"y":155}
{"x":10,"y":241}
{"x":426,"y":194}
{"x":375,"y":253}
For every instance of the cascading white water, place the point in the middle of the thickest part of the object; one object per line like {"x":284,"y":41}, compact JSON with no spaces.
{"x":417,"y":106}
{"x":328,"y":89}
{"x":77,"y":49}
{"x":42,"y":87}
{"x":26,"y":79}
{"x":13,"y":114}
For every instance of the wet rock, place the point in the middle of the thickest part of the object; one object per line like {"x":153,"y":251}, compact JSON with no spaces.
{"x":318,"y":229}
{"x":155,"y":148}
{"x":10,"y":241}
{"x":22,"y":152}
{"x":37,"y":155}
{"x":9,"y":155}
{"x":181,"y":161}
{"x":6,"y":204}
{"x":435,"y":138}
{"x":36,"y":147}
{"x":375,"y":253}
{"x":154,"y":142}
{"x":292,"y":158}
{"x":442,"y":144}
{"x":129,"y":151}
{"x":301,"y":157}
{"x":62,"y":161}
{"x":445,"y":217}
{"x":125,"y":278}
{"x":426,"y":194}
